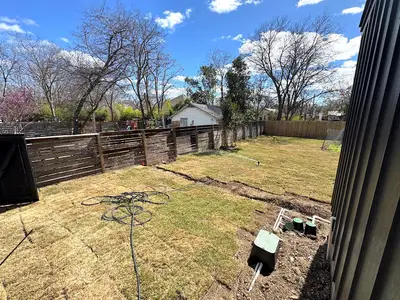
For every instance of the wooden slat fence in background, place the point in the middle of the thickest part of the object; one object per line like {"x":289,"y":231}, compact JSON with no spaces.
{"x":59,"y":158}
{"x":122,"y":149}
{"x":305,"y":129}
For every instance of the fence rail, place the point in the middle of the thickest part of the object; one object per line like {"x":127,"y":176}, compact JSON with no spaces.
{"x":59,"y":158}
{"x":304,"y":129}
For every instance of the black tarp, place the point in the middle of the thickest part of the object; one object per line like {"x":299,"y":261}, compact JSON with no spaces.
{"x":17,"y":184}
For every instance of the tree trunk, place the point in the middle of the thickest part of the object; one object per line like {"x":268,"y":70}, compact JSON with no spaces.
{"x":53,"y":111}
{"x":94,"y":121}
{"x":112,"y":113}
{"x":222,"y":89}
{"x":76,"y":115}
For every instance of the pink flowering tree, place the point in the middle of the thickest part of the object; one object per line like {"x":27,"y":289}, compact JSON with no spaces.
{"x":17,"y":105}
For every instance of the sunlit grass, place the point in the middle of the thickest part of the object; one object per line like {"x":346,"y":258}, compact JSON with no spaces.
{"x":286,"y":165}
{"x":189,"y":243}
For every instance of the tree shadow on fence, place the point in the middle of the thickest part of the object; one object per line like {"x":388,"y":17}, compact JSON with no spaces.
{"x":318,"y":281}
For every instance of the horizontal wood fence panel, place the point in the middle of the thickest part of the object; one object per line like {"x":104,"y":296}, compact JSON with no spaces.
{"x":304,"y":129}
{"x":122,"y":149}
{"x":56,"y":159}
{"x":59,"y":158}
{"x":160,"y":147}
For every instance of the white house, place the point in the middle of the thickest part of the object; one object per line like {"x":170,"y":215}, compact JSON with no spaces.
{"x":194,"y":114}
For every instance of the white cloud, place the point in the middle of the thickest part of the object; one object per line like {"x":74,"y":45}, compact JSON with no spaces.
{"x":65,"y":40}
{"x":30,"y":22}
{"x":222,"y":37}
{"x":308,"y":2}
{"x":13,"y":28}
{"x":9,"y":20}
{"x":176,"y":91}
{"x":172,"y":19}
{"x":342,"y":47}
{"x":227,"y":6}
{"x":344,"y":75}
{"x":79,"y":58}
{"x":353,"y":10}
{"x":239,"y":37}
{"x":349,"y":64}
{"x":180,"y":78}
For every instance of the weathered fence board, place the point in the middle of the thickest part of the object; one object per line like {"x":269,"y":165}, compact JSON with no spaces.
{"x":305,"y":129}
{"x":122,"y":149}
{"x":60,"y":158}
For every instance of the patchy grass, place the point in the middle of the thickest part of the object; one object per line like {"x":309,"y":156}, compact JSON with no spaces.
{"x":189,"y":244}
{"x":286,"y":165}
{"x":335,"y":147}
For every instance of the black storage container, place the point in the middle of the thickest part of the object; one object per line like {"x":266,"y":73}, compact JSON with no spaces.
{"x":17,"y":183}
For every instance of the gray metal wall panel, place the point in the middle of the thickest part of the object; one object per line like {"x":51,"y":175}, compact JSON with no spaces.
{"x":367,"y":190}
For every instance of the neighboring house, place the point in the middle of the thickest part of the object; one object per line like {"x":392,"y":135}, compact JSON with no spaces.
{"x":194,"y":114}
{"x":172,"y":102}
{"x":335,"y":115}
{"x":267,"y":114}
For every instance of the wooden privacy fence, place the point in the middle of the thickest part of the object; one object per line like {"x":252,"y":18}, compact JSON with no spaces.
{"x":305,"y":129}
{"x":59,"y":158}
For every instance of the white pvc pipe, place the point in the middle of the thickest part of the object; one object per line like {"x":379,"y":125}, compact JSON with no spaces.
{"x":278,"y":219}
{"x":315,"y":217}
{"x":256,"y":274}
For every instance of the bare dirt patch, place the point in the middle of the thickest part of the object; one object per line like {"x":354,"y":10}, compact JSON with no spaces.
{"x":304,"y":205}
{"x":302,"y":271}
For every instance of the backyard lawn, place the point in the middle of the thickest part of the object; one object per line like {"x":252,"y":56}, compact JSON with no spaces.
{"x":73,"y":254}
{"x":291,"y":165}
{"x":195,"y":247}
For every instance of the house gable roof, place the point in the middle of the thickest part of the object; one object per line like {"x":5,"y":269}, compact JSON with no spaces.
{"x":212,"y":110}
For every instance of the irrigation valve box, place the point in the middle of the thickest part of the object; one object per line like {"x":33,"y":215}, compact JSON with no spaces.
{"x":265,"y":250}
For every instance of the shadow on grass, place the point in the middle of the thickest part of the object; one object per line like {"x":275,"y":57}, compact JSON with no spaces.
{"x":218,"y":152}
{"x":318,"y":281}
{"x":4,"y":208}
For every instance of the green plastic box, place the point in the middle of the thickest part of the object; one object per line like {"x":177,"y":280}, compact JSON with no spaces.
{"x":265,"y":250}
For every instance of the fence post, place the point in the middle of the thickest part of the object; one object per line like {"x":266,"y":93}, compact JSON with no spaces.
{"x":197,"y":139}
{"x":256,"y":129}
{"x":143,"y":132}
{"x":212,"y":137}
{"x":100,"y":150}
{"x":174,"y":141}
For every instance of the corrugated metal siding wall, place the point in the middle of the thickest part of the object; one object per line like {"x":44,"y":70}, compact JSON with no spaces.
{"x":365,"y":253}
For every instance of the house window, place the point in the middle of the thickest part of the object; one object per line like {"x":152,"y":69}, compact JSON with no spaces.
{"x":184,"y":122}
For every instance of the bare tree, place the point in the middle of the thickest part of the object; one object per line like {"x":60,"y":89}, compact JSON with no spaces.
{"x":103,"y":40}
{"x":43,"y":63}
{"x":164,"y":70}
{"x":145,"y":41}
{"x":96,"y":97}
{"x":219,"y":60}
{"x":260,"y":95}
{"x":297,"y":58}
{"x":8,"y":65}
{"x":112,"y":95}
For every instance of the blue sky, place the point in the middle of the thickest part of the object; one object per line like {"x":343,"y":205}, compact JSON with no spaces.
{"x":194,"y":26}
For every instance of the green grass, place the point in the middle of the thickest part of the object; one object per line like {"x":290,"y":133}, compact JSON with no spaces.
{"x":335,"y":148}
{"x":287,"y":165}
{"x":189,"y":243}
